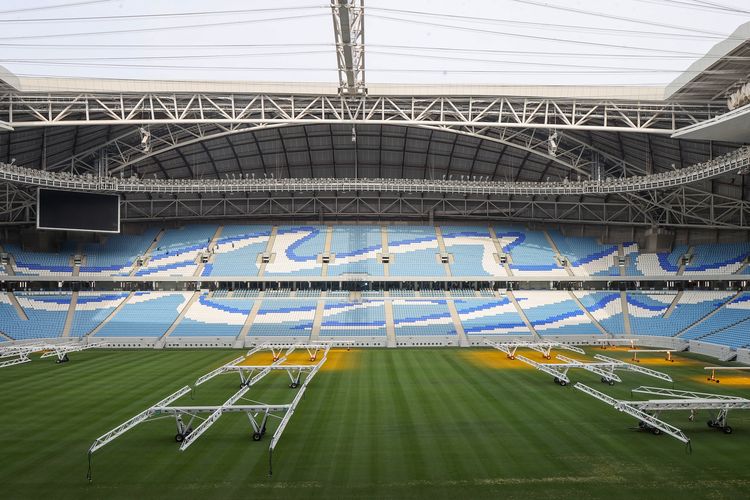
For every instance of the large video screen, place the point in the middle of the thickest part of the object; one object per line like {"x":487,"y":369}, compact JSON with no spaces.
{"x":75,"y":211}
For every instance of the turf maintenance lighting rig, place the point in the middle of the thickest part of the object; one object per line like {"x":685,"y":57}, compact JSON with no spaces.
{"x":510,"y":348}
{"x":647,"y":412}
{"x":668,"y":353}
{"x":605,"y":367}
{"x":21,"y":352}
{"x":258,"y":413}
{"x":714,"y":369}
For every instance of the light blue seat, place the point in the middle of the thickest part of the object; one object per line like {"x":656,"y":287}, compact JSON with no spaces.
{"x":647,"y":311}
{"x":237,"y":249}
{"x":92,"y":308}
{"x":214,"y":317}
{"x":555,"y":313}
{"x":46,"y":314}
{"x":422,"y":317}
{"x":284,"y":317}
{"x":297,"y":250}
{"x":355,"y":249}
{"x":348,"y":319}
{"x":414,"y":250}
{"x":606,"y":308}
{"x":473,"y":251}
{"x":490,"y":317}
{"x":146,"y":314}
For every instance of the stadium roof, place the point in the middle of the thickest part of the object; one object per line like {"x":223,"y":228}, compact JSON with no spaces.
{"x":385,"y":149}
{"x":723,"y":69}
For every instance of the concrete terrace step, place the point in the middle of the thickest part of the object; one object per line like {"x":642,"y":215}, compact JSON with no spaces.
{"x":590,"y":316}
{"x":71,"y":313}
{"x":148,"y":251}
{"x":625,"y":314}
{"x":673,"y":305}
{"x":463,"y":340}
{"x":522,"y":313}
{"x":250,"y":318}
{"x":557,"y":253}
{"x":19,"y":310}
{"x":179,"y":317}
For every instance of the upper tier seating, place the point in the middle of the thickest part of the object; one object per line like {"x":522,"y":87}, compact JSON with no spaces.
{"x":718,"y":258}
{"x":29,"y":263}
{"x":530,"y":252}
{"x":236,"y":250}
{"x":490,"y":317}
{"x":296,"y":251}
{"x":415,"y":251}
{"x":355,"y":250}
{"x":585,"y":256}
{"x":146,"y":314}
{"x":117,"y":254}
{"x":555,"y":313}
{"x":422,"y":317}
{"x":474,"y":252}
{"x":176,"y":253}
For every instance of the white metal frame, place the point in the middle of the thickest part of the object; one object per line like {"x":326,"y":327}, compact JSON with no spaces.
{"x":605,"y":367}
{"x":647,"y":412}
{"x":714,"y":369}
{"x":257,"y":413}
{"x":668,"y":352}
{"x":510,"y":348}
{"x":22,"y":352}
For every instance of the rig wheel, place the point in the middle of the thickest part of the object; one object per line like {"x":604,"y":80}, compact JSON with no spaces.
{"x":179,"y":437}
{"x":655,"y":431}
{"x":257,"y":436}
{"x":726,"y":429}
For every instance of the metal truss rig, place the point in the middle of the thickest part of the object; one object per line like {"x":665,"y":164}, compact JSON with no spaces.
{"x":647,"y":412}
{"x":29,"y":109}
{"x":258,"y":414}
{"x":510,"y":348}
{"x":730,"y":163}
{"x":605,"y":367}
{"x":20,"y":353}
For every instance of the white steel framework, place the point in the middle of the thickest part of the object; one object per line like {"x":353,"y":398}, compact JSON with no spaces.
{"x":647,"y":412}
{"x":714,"y":369}
{"x":730,"y":163}
{"x":510,"y":348}
{"x":27,"y":109}
{"x":349,"y":35}
{"x":258,"y":414}
{"x":604,"y":367}
{"x":21,"y":352}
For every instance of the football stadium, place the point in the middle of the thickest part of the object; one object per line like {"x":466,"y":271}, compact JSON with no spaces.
{"x":506,"y":258}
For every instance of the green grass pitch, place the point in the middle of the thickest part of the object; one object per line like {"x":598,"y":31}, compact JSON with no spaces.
{"x":401,"y":423}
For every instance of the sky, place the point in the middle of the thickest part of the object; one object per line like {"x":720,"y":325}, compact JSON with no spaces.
{"x":502,"y":42}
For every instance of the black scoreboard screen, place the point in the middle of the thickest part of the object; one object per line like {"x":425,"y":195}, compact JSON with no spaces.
{"x":76,"y":211}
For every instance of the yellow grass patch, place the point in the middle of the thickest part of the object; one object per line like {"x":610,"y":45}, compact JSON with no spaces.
{"x":725,"y":379}
{"x":341,"y":359}
{"x":492,"y":358}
